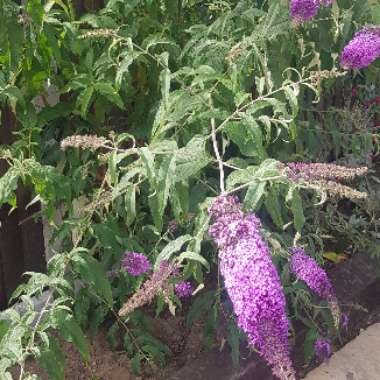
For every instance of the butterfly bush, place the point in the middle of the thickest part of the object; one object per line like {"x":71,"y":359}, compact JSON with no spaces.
{"x":362,"y":50}
{"x":304,"y":10}
{"x":183,"y":289}
{"x":306,"y":269}
{"x":135,"y":263}
{"x":252,"y":282}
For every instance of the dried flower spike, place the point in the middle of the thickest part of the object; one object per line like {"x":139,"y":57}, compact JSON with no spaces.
{"x":315,"y":171}
{"x":91,"y":142}
{"x":337,"y":189}
{"x":252,"y":282}
{"x":157,"y":283}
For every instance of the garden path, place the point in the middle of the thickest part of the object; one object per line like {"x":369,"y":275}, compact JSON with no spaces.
{"x":358,"y":360}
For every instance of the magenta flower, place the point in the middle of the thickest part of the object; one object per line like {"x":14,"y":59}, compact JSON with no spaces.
{"x":306,"y":269}
{"x":322,"y":349}
{"x":362,"y":50}
{"x":252,"y":283}
{"x":135,"y":263}
{"x":183,"y":289}
{"x":303,"y":10}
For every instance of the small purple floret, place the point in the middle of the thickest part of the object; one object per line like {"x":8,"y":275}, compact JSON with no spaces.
{"x":306,"y":269}
{"x":362,"y":50}
{"x":135,"y":263}
{"x":345,"y":321}
{"x":252,"y":282}
{"x":322,"y":349}
{"x":183,"y":289}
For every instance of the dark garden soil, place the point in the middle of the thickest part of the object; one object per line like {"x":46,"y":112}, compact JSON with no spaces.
{"x":358,"y":290}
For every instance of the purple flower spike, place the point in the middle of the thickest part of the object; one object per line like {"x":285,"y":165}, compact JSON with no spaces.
{"x":303,"y":10}
{"x":252,"y":283}
{"x":306,"y":269}
{"x":362,"y":50}
{"x":135,"y":263}
{"x":183,"y":289}
{"x":322,"y":349}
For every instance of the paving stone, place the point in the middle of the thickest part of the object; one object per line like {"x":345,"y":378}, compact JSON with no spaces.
{"x":358,"y":360}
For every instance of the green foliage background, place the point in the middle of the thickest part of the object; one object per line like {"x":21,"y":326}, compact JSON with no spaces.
{"x":152,"y":76}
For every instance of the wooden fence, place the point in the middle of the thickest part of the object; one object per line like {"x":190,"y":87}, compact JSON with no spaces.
{"x":21,"y":237}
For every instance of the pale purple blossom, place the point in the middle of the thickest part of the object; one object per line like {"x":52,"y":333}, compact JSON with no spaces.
{"x":362,"y":50}
{"x":135,"y":263}
{"x":306,"y":269}
{"x":322,"y":349}
{"x":183,"y":289}
{"x":252,"y":282}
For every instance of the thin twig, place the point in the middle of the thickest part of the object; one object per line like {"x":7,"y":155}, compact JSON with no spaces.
{"x":253,"y":181}
{"x":216,"y":150}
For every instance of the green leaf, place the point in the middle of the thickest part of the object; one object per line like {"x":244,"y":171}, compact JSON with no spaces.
{"x":201,"y":305}
{"x":14,"y":94}
{"x":85,"y":100}
{"x":8,"y":185}
{"x":93,"y":273}
{"x":191,"y":159}
{"x":291,"y":94}
{"x":297,"y":209}
{"x":194,"y":257}
{"x":308,"y":344}
{"x":254,"y":194}
{"x":4,"y":325}
{"x":71,"y":332}
{"x":159,"y":199}
{"x":165,"y":80}
{"x":123,"y":66}
{"x":130,"y":204}
{"x":171,"y":248}
{"x":53,"y":360}
{"x":136,"y":364}
{"x":148,"y":159}
{"x":375,"y":12}
{"x":233,"y":339}
{"x":273,"y":206}
{"x":106,"y":89}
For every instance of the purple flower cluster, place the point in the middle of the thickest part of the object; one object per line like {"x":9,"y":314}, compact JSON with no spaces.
{"x":135,"y":263}
{"x":304,"y":10}
{"x":362,"y":50}
{"x":322,"y":349}
{"x":183,"y":289}
{"x":306,"y":269}
{"x":252,"y":282}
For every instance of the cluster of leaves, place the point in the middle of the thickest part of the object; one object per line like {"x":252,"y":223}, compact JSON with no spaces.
{"x":154,"y":78}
